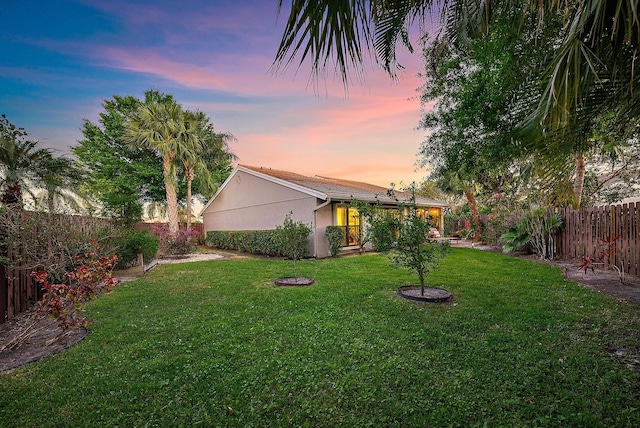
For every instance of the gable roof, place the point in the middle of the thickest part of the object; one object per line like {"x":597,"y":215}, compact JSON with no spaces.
{"x":327,"y":188}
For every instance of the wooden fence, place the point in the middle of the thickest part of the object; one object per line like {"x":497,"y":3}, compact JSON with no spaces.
{"x":585,"y":231}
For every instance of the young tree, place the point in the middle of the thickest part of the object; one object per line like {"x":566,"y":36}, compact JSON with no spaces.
{"x":293,"y":240}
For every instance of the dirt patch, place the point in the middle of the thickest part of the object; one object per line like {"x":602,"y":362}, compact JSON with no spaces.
{"x":46,"y":339}
{"x":600,"y":280}
{"x":299,"y":281}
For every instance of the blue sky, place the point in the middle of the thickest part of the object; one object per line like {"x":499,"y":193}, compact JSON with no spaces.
{"x":61,"y":59}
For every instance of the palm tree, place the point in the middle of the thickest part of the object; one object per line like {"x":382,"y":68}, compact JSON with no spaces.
{"x":23,"y":166}
{"x":62,"y":180}
{"x":163,"y":127}
{"x":205,"y":156}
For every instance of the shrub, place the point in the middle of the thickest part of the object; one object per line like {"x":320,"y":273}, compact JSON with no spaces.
{"x":132,"y":243}
{"x":336,"y":238}
{"x":50,"y":241}
{"x":249,"y":241}
{"x":293,"y":240}
{"x":383,"y":228}
{"x":181,"y":242}
{"x":537,"y":228}
{"x":65,"y":301}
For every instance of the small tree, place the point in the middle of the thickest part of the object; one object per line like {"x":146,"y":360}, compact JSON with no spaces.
{"x":293,"y":240}
{"x":410,"y":250}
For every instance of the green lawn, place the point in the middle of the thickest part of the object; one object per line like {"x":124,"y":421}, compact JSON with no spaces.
{"x":216,"y":344}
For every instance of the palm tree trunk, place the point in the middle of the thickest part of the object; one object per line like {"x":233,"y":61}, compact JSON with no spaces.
{"x":189,"y":175}
{"x":473,"y":206}
{"x":578,"y":181}
{"x":171,"y":193}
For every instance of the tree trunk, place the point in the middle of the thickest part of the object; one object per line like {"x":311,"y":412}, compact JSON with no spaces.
{"x":578,"y":181}
{"x":189,"y":175}
{"x":172,"y":195}
{"x":473,"y":206}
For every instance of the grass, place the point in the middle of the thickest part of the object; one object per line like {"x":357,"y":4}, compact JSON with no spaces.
{"x":216,"y":344}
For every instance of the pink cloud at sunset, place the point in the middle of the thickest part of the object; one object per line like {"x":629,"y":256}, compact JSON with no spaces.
{"x":215,"y":57}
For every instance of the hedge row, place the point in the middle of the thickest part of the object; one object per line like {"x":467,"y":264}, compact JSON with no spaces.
{"x":263,"y":242}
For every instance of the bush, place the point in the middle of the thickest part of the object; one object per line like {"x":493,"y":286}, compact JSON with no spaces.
{"x":65,"y":301}
{"x":132,"y":243}
{"x":536,"y":228}
{"x":182,"y":242}
{"x":263,"y":242}
{"x":383,"y":229}
{"x":336,"y":238}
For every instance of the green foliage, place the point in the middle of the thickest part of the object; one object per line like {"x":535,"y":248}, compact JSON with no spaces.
{"x":119,"y":177}
{"x":293,"y":240}
{"x":383,"y":228}
{"x":537,"y":228}
{"x":26,"y":168}
{"x":123,"y":177}
{"x":131,"y":243}
{"x":410,"y":250}
{"x":521,"y":347}
{"x":263,"y":242}
{"x":336,"y":238}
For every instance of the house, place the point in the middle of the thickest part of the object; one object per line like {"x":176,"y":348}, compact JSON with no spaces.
{"x":257,"y":198}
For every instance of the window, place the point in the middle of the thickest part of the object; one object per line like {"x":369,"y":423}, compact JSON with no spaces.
{"x":430,"y":214}
{"x":349,"y":219}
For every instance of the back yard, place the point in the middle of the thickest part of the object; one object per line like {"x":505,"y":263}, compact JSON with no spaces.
{"x":216,"y":344}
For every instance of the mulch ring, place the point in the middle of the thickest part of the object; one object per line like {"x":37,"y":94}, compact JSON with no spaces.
{"x":291,"y":281}
{"x":430,"y":294}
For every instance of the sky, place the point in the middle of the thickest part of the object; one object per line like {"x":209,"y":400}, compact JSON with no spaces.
{"x":59,"y":60}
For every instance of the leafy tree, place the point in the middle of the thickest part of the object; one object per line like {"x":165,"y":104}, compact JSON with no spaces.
{"x":590,"y":68}
{"x":410,"y":231}
{"x":164,"y":128}
{"x":121,"y":178}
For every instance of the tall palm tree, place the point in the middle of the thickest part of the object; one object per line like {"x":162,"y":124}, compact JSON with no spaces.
{"x":205,"y":156}
{"x":189,"y":155}
{"x":23,"y":166}
{"x":163,"y":127}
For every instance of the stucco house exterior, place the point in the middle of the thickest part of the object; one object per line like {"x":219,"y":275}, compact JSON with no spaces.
{"x":257,"y":198}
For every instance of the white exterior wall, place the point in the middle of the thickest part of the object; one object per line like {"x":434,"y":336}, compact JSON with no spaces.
{"x":324,"y":218}
{"x":248,"y":202}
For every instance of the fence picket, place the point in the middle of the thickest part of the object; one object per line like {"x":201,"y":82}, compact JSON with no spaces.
{"x":584,"y":229}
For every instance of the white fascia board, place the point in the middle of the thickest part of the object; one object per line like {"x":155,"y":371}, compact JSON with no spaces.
{"x":285,"y":183}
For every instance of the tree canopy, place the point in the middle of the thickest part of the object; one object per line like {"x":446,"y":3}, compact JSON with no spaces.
{"x":523,"y":80}
{"x":124,"y":174}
